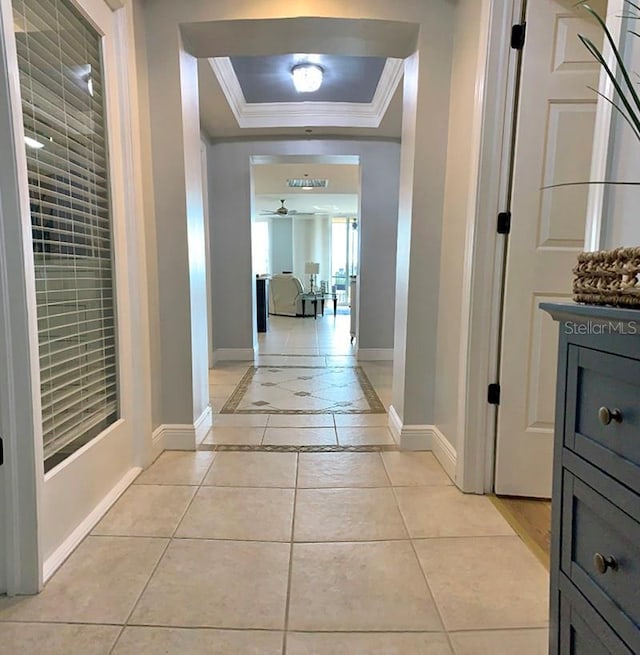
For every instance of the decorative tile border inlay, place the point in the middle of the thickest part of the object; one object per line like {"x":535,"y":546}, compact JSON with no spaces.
{"x":296,"y":449}
{"x":366,"y":402}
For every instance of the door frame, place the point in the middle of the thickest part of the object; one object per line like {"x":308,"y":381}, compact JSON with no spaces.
{"x":595,"y":234}
{"x":22,"y":477}
{"x":486,"y":250}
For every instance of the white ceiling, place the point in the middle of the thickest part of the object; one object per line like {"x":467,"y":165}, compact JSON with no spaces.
{"x":322,"y":36}
{"x":341,"y":40}
{"x":312,"y":203}
{"x":339,"y":198}
{"x":218,"y":121}
{"x":272,"y":178}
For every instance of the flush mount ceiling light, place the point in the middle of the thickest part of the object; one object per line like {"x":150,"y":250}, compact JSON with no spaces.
{"x":307,"y":78}
{"x":307,"y":183}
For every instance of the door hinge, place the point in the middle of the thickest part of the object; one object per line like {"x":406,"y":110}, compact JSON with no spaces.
{"x":493,"y":394}
{"x":518,"y":33}
{"x":504,"y":222}
{"x":1,"y":452}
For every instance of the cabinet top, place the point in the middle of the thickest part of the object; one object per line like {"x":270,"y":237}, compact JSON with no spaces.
{"x":590,"y":313}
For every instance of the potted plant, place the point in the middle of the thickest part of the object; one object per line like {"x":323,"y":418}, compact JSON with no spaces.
{"x":612,"y":277}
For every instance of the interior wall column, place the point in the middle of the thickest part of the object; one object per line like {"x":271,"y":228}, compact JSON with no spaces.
{"x":422,"y":179}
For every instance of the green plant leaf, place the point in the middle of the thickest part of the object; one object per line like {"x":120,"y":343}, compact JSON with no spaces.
{"x":606,"y":183}
{"x":620,"y":111}
{"x":592,"y":48}
{"x":620,"y":61}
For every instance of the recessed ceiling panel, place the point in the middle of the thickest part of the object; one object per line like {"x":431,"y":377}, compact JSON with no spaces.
{"x":346,"y":79}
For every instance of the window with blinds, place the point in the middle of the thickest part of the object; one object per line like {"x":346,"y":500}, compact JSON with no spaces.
{"x":61,"y":83}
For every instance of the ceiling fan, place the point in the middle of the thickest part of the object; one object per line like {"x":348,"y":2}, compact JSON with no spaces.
{"x":281,"y":211}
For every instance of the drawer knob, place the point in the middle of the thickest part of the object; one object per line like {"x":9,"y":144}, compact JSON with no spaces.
{"x":604,"y":563}
{"x":607,"y":415}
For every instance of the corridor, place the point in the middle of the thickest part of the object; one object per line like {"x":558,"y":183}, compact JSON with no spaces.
{"x":292,"y":533}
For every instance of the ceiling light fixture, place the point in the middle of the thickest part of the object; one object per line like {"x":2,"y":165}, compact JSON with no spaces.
{"x":307,"y":78}
{"x":307,"y":183}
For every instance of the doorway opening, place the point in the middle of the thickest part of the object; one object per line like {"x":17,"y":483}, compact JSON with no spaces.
{"x":305,"y":254}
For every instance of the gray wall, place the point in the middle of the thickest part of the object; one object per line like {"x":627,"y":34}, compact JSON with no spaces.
{"x":459,"y":214}
{"x":281,"y":244}
{"x":427,"y":29}
{"x":149,"y":210}
{"x":180,"y":333}
{"x":229,"y":165}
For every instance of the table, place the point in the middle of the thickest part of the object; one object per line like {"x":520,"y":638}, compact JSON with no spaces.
{"x":322,"y":297}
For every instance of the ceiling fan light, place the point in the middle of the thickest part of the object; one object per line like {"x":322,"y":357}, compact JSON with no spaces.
{"x":307,"y":78}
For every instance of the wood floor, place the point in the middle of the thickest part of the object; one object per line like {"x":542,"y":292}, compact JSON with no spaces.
{"x":531,"y":519}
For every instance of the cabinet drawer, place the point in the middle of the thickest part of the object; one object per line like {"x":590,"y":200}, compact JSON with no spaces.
{"x":582,"y":631}
{"x":598,"y":380}
{"x":598,"y":533}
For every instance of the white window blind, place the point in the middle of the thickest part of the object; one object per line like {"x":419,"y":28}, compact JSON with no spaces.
{"x":61,"y":82}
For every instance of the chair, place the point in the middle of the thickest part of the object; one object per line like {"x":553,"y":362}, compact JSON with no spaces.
{"x":284,"y":296}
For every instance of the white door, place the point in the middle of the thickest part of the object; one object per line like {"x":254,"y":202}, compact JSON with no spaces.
{"x":554,"y":139}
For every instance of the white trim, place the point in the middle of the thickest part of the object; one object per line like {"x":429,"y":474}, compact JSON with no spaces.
{"x":416,"y":437}
{"x":57,"y":558}
{"x":203,"y":424}
{"x":21,"y":477}
{"x":444,"y":452}
{"x":226,"y":75}
{"x":135,"y":230}
{"x":204,"y":161}
{"x":181,"y":437}
{"x":375,"y":354}
{"x":594,"y":233}
{"x":176,"y":437}
{"x":484,"y":255}
{"x":233,"y":355}
{"x":409,"y":437}
{"x":387,"y":84}
{"x":395,"y":424}
{"x":304,"y":114}
{"x":157,"y":442}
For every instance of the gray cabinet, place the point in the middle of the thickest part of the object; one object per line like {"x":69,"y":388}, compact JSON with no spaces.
{"x":595,"y":549}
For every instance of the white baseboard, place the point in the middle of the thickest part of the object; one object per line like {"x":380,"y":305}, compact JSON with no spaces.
{"x":410,"y":437}
{"x":375,"y":354}
{"x":176,"y":437}
{"x":203,"y":424}
{"x":157,"y":442}
{"x":233,"y":355}
{"x":444,"y":452}
{"x":416,"y":437}
{"x":395,"y":425}
{"x":181,"y":436}
{"x":55,"y":560}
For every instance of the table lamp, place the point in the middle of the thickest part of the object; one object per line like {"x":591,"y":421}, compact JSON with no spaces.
{"x":312,"y":269}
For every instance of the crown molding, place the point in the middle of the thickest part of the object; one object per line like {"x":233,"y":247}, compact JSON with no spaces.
{"x":307,"y":114}
{"x":223,"y":70}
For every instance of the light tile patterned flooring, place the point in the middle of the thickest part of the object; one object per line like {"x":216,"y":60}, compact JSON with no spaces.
{"x":304,"y":390}
{"x":262,"y":553}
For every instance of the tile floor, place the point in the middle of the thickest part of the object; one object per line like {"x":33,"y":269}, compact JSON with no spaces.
{"x":282,"y":389}
{"x":297,"y":553}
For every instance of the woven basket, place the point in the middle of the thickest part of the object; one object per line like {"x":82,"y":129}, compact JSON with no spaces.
{"x":608,"y":277}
